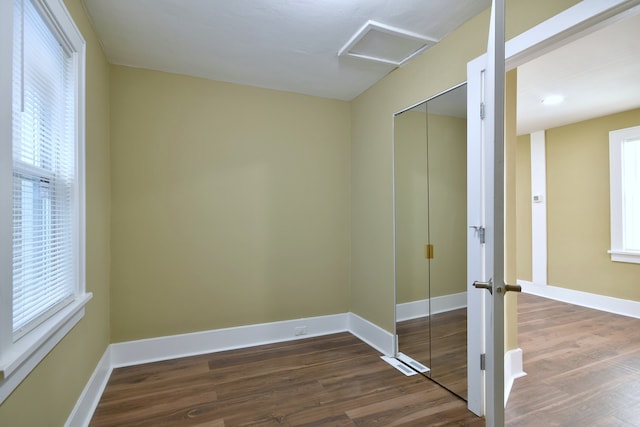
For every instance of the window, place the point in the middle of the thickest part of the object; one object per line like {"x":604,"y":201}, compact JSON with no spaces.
{"x":624,"y":159}
{"x":43,"y":294}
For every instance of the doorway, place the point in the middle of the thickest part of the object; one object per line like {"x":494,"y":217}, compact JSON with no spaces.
{"x":581,"y":19}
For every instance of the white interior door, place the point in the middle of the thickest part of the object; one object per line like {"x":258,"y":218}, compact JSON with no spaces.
{"x":476,"y":243}
{"x":485,"y":218}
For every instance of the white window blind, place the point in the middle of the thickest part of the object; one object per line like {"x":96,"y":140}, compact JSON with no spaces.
{"x":44,"y":173}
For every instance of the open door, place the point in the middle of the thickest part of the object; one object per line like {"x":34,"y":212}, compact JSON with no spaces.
{"x":485,"y":216}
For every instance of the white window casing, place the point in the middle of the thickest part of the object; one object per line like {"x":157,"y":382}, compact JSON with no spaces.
{"x":624,"y":168}
{"x":42,"y":183}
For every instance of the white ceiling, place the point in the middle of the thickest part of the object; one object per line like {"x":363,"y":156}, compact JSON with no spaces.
{"x":292,"y":45}
{"x":288,"y":45}
{"x":598,"y":75}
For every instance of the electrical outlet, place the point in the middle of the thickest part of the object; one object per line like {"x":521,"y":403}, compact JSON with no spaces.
{"x":300,"y":330}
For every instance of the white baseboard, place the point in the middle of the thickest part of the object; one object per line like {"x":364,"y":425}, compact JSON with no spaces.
{"x":90,"y":396}
{"x":372,"y":334}
{"x":420,"y":308}
{"x":184,"y":345}
{"x":512,"y":370}
{"x":584,"y":299}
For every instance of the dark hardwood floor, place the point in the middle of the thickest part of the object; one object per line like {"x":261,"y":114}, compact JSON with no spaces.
{"x":583,"y":370}
{"x":582,"y":365}
{"x":336,"y":380}
{"x":441,"y":345}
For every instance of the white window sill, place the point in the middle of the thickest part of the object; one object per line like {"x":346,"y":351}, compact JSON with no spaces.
{"x":625,"y":256}
{"x":24,"y":355}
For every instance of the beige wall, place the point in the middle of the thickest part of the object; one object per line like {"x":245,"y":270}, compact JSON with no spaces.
{"x":448,"y":204}
{"x":578,"y":214}
{"x":48,"y":394}
{"x":230,"y":205}
{"x":410,"y":157}
{"x":578,"y":209}
{"x":441,"y":67}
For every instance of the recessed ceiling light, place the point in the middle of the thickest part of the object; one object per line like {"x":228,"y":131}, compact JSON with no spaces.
{"x":382,"y":43}
{"x":553,"y":100}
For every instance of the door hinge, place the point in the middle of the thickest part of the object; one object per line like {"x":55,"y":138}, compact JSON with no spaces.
{"x":482,"y":114}
{"x":481,"y":232}
{"x":483,"y":361}
{"x":428,"y":251}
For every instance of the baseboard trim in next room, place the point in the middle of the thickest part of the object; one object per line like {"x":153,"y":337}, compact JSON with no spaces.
{"x":599,"y":302}
{"x":512,"y":370}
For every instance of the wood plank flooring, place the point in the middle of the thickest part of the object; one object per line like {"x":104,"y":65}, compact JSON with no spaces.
{"x":441,"y":345}
{"x":336,"y":380}
{"x":583,"y":370}
{"x":582,"y":365}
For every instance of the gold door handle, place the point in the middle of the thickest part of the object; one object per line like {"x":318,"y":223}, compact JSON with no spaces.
{"x":512,"y":288}
{"x":428,"y":251}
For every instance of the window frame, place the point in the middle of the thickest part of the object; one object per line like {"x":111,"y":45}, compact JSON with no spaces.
{"x":19,"y":358}
{"x":618,"y":252}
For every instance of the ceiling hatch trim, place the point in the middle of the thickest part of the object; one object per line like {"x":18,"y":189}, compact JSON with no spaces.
{"x":382,"y":43}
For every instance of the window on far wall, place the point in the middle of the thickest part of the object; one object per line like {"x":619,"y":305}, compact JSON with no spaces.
{"x":624,"y":160}
{"x":42,"y":285}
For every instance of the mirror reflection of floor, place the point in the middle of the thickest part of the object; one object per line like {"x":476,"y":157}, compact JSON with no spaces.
{"x":446,"y":350}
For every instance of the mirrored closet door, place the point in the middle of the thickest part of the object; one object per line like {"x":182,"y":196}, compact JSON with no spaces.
{"x":430,"y":227}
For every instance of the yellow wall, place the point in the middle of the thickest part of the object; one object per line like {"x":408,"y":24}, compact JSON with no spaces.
{"x":410,"y":157}
{"x":48,"y":394}
{"x":441,"y":67}
{"x":578,"y":214}
{"x":448,"y":204}
{"x":578,"y":209}
{"x":230,"y":205}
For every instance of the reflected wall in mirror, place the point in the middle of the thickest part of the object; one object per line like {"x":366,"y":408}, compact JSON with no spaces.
{"x":411,"y":234}
{"x":430,"y":205}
